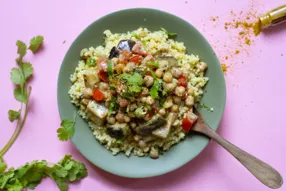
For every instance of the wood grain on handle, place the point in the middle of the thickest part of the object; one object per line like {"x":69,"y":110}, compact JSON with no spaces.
{"x":262,"y":171}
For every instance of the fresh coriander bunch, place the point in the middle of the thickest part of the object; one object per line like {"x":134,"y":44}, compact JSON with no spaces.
{"x":31,"y":174}
{"x":19,"y":76}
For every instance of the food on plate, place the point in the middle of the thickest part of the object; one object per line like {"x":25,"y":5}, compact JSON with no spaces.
{"x":138,"y":90}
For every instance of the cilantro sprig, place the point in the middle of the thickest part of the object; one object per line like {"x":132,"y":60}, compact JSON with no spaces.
{"x":67,"y":129}
{"x":134,"y":82}
{"x":20,"y":76}
{"x":29,"y":176}
{"x":170,"y":34}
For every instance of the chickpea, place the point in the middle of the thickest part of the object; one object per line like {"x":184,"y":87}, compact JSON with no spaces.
{"x":120,"y":117}
{"x":168,"y":103}
{"x":127,"y":119}
{"x":143,"y":99}
{"x":145,"y":91}
{"x":180,"y":91}
{"x":85,"y":101}
{"x":103,"y":86}
{"x":159,"y":73}
{"x":191,"y":91}
{"x":154,"y":154}
{"x":169,"y":86}
{"x":132,"y":107}
{"x":131,"y":114}
{"x":175,"y":108}
{"x":111,"y":120}
{"x":142,"y":144}
{"x":176,"y":72}
{"x":190,"y":101}
{"x":177,"y":99}
{"x":128,"y":67}
{"x":87,"y":92}
{"x":162,"y":112}
{"x":150,"y":100}
{"x":148,"y":81}
{"x":202,"y":66}
{"x":114,"y":60}
{"x":168,"y":77}
{"x":133,"y":124}
{"x":119,"y":68}
{"x":137,"y":138}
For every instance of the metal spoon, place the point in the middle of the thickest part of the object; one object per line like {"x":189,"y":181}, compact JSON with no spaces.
{"x":262,"y":171}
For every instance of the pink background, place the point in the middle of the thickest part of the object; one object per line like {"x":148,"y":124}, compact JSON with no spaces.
{"x":254,"y":117}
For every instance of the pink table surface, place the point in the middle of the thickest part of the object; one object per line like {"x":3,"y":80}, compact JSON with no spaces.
{"x":254,"y":117}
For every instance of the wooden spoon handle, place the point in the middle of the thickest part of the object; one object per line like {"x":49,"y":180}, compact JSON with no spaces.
{"x":262,"y":171}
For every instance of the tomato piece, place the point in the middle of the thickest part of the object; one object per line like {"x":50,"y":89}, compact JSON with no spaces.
{"x":103,"y":75}
{"x":136,"y":59}
{"x":98,"y":95}
{"x":188,"y":121}
{"x":183,"y":81}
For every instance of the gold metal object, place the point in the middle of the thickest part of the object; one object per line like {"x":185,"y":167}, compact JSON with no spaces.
{"x":273,"y":17}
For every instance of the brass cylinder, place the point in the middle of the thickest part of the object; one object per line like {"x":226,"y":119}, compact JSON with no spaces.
{"x":273,"y":17}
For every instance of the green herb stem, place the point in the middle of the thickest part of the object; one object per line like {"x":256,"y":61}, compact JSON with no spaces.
{"x":19,"y":127}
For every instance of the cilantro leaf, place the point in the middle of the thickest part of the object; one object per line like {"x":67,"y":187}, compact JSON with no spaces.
{"x":91,"y":62}
{"x":135,"y":88}
{"x":20,"y":95}
{"x":16,"y":76}
{"x":27,"y":69}
{"x":22,"y":50}
{"x":67,"y":130}
{"x":134,"y":81}
{"x":170,"y":34}
{"x":35,"y":43}
{"x":112,"y":105}
{"x":110,"y":69}
{"x":13,"y":115}
{"x":154,"y":90}
{"x":112,"y":86}
{"x":3,"y":167}
{"x":153,"y":64}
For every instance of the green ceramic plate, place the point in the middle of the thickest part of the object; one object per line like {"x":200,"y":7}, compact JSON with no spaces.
{"x":180,"y":154}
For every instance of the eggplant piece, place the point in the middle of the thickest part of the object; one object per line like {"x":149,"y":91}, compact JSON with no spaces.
{"x":164,"y":131}
{"x":147,"y":128}
{"x":97,"y":109}
{"x":167,"y":62}
{"x":118,"y":130}
{"x":126,"y":45}
{"x":96,"y":120}
{"x":90,"y":78}
{"x":113,"y":53}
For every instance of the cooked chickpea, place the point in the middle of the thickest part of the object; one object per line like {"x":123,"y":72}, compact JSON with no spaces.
{"x":103,"y":86}
{"x":137,"y":138}
{"x":191,"y":91}
{"x":175,"y":108}
{"x":132,"y":107}
{"x":119,"y":68}
{"x":142,"y":144}
{"x":150,"y":100}
{"x":133,"y":124}
{"x":127,"y":119}
{"x":85,"y":101}
{"x":168,"y":103}
{"x":87,"y":92}
{"x":190,"y":101}
{"x":143,"y":99}
{"x":154,"y":154}
{"x":202,"y":66}
{"x":177,"y":100}
{"x":114,"y":60}
{"x":159,"y":73}
{"x":180,"y":91}
{"x":111,"y":120}
{"x":145,"y":91}
{"x":168,"y":77}
{"x":128,"y":67}
{"x":131,"y":114}
{"x":169,"y":86}
{"x":120,"y":117}
{"x":176,"y":72}
{"x":148,"y":81}
{"x":162,"y":112}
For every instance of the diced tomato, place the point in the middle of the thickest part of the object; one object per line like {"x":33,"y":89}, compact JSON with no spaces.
{"x":103,"y":75}
{"x":123,"y":103}
{"x":183,"y":81}
{"x":136,"y":59}
{"x":188,"y":121}
{"x":148,"y":73}
{"x":98,"y":95}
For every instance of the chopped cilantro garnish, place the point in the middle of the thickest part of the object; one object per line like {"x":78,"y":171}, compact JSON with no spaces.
{"x":208,"y":108}
{"x":170,"y":34}
{"x":110,"y":69}
{"x":91,"y":62}
{"x":134,"y":82}
{"x":112,"y":86}
{"x":153,"y":64}
{"x":113,"y":105}
{"x":154,"y":90}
